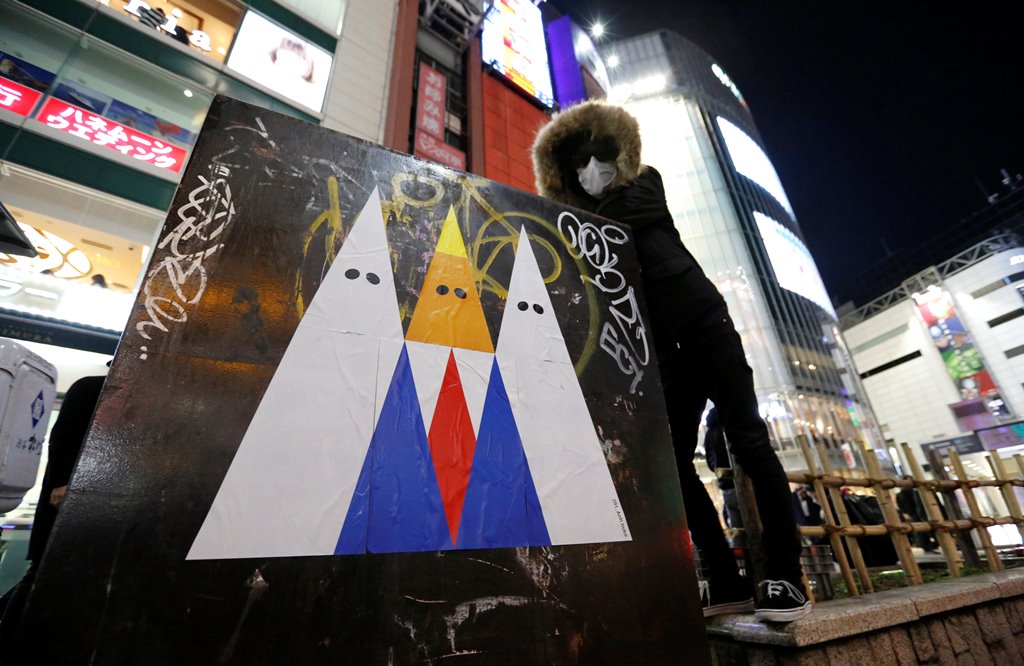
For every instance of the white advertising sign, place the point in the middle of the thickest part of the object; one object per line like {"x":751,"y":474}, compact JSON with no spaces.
{"x":283,"y":62}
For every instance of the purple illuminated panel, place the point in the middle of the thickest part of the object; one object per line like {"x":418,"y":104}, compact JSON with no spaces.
{"x":576,"y":67}
{"x":564,"y":67}
{"x":1001,"y":437}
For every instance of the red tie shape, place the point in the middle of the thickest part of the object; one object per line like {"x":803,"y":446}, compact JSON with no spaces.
{"x":452,"y":442}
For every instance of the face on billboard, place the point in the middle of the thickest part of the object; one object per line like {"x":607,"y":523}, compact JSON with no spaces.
{"x":513,"y":43}
{"x":290,"y":66}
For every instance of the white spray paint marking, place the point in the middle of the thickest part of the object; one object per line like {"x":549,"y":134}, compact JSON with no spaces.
{"x":625,"y":337}
{"x":178,"y":280}
{"x":482,"y":605}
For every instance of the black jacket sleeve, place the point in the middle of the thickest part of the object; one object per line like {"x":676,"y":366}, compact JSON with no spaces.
{"x":639,"y":205}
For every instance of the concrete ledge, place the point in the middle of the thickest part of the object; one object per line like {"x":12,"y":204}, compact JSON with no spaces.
{"x":843,"y":618}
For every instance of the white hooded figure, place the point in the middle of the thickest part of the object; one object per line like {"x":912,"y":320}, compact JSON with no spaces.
{"x":290,"y":484}
{"x":575,"y":488}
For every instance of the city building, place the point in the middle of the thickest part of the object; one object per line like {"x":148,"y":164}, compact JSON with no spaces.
{"x":942,"y":355}
{"x":733,"y":214}
{"x":100,"y":104}
{"x":472,"y":82}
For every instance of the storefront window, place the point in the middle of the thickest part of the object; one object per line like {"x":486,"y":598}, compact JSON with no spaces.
{"x":91,"y":92}
{"x":29,"y":59}
{"x":100,"y":81}
{"x":80,"y":275}
{"x":204,"y":26}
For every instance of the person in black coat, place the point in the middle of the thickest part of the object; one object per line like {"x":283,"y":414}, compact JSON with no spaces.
{"x":716,"y":454}
{"x":66,"y":438}
{"x":912,"y":510}
{"x":588,"y":156}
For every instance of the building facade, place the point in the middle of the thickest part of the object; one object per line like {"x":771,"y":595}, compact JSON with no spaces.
{"x":733,"y":214}
{"x":471,"y":83}
{"x":942,"y":355}
{"x":100,"y":104}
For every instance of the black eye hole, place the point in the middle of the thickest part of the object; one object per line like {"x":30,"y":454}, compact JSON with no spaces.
{"x":352,"y":273}
{"x":538,"y":309}
{"x":442,"y":289}
{"x":460,"y":292}
{"x":524,"y":306}
{"x":372,"y":278}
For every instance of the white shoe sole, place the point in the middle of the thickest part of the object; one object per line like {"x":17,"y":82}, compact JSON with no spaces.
{"x":787,"y":615}
{"x":744,"y":606}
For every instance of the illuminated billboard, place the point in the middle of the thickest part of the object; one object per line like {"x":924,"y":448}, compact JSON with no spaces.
{"x":513,"y":44}
{"x":792,"y":262}
{"x":962,"y":359}
{"x":751,"y":161}
{"x":289,"y":65}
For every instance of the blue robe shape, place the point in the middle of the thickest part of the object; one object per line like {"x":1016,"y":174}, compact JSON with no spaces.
{"x":501,"y":509}
{"x":396,"y":507}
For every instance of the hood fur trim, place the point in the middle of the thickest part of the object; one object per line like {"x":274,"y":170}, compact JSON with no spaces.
{"x":603,"y":120}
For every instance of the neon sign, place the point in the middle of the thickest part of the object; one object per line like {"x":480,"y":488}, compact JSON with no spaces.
{"x":169,"y":23}
{"x":727,"y":82}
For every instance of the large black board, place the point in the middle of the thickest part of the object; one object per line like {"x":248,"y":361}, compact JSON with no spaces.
{"x":213,"y":319}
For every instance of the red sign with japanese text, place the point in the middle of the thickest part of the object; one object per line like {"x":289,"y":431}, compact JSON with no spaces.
{"x":430,"y":101}
{"x":86,"y":125}
{"x":17,"y":98}
{"x":439,"y":151}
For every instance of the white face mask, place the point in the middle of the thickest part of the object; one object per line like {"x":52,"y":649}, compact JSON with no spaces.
{"x":597,"y":176}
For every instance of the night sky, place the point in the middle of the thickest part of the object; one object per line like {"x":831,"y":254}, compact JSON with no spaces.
{"x":884,"y":120}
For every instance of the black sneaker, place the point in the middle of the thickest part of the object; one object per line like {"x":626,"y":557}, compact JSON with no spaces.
{"x":783,"y":601}
{"x":726,"y":597}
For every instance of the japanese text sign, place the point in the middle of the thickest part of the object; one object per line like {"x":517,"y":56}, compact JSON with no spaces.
{"x":17,"y":98}
{"x":430,"y":102}
{"x":439,"y":151}
{"x":83,"y":124}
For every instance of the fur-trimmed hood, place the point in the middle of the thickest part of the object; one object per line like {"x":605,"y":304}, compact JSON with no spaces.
{"x":602,"y":121}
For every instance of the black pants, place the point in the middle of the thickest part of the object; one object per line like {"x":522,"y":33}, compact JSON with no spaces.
{"x":702,"y":358}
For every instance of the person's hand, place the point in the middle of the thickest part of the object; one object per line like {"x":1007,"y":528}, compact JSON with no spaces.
{"x":57,"y":496}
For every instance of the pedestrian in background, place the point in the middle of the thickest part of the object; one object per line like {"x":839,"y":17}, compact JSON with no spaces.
{"x":65,"y":443}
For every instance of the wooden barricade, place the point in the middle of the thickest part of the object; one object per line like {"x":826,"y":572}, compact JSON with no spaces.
{"x":838,"y":527}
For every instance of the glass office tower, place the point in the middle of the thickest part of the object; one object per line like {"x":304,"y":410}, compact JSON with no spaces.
{"x":733,"y":214}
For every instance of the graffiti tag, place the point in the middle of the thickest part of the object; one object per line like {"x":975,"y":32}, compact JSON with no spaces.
{"x":179,"y":278}
{"x":625,"y":336}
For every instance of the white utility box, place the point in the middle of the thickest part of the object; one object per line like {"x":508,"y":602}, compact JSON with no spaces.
{"x":28,"y":386}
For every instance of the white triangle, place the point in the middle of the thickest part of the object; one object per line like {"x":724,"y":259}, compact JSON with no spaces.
{"x":290,"y":483}
{"x":428,"y":363}
{"x":575,"y":488}
{"x":475,"y":373}
{"x":529,"y":328}
{"x":348,"y":301}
